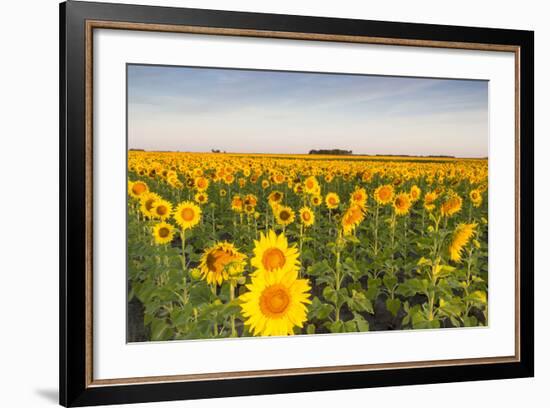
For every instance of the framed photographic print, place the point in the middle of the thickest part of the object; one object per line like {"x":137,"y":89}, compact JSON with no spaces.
{"x":256,"y":203}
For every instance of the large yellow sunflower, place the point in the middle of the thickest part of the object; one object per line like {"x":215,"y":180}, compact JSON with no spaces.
{"x":163,"y":233}
{"x":353,"y":216}
{"x":201,"y":183}
{"x":462,"y":234}
{"x":402,"y":204}
{"x":220,"y":262}
{"x":383,"y":194}
{"x":284,"y":215}
{"x":275,"y":197}
{"x":276,"y":303}
{"x":272,"y":252}
{"x":137,"y":188}
{"x":147,"y":201}
{"x":161,"y":209}
{"x":359,"y":197}
{"x":316,"y":200}
{"x":476,"y":197}
{"x":201,"y":197}
{"x":415,"y":193}
{"x":451,"y":206}
{"x":332,"y":200}
{"x":237,"y":203}
{"x":187,"y":214}
{"x":307,"y":216}
{"x":311,"y":185}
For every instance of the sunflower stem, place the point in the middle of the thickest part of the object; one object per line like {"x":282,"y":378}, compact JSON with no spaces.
{"x":376,"y":230}
{"x":231,"y":299}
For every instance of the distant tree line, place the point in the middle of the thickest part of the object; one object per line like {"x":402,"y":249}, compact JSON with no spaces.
{"x":336,"y":152}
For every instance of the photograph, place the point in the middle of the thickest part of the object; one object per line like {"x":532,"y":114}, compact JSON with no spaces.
{"x":276,"y":203}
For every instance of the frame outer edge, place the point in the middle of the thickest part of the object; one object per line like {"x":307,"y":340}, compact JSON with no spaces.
{"x":62,"y":206}
{"x":73,"y":387}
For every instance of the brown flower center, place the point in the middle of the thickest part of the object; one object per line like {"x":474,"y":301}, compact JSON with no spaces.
{"x":164,"y":232}
{"x":274,"y":301}
{"x":273,"y":258}
{"x":187,"y":214}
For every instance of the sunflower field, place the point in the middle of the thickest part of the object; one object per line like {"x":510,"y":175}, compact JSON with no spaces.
{"x":230,"y":245}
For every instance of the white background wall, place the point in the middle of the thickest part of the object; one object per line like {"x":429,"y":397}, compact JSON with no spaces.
{"x":29,"y":201}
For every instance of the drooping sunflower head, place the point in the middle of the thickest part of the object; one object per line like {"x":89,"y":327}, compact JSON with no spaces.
{"x":402,"y":204}
{"x":163,"y":233}
{"x":452,"y":205}
{"x":359,"y":197}
{"x":284,"y":215}
{"x":429,"y":200}
{"x":332,"y":200}
{"x":162,"y":209}
{"x":462,"y":234}
{"x":237,"y":203}
{"x":187,"y":214}
{"x":307,"y":216}
{"x":383,"y":194}
{"x":272,"y":252}
{"x":353,"y":216}
{"x":137,"y":188}
{"x":221,"y":262}
{"x":276,"y":303}
{"x":415,"y":193}
{"x":201,"y":198}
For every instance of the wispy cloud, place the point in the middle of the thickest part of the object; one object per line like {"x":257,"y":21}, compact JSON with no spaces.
{"x":197,"y":109}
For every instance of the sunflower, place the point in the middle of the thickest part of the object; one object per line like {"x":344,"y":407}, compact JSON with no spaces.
{"x":250,"y":199}
{"x":147,"y":201}
{"x":307,"y":217}
{"x":201,"y":183}
{"x":275,"y":197}
{"x":316,"y":200}
{"x":223,"y":192}
{"x":163,"y":233}
{"x":353,"y":216}
{"x":265,"y":184}
{"x":359,"y":197}
{"x":220,"y":262}
{"x":476,"y":198}
{"x":311,"y":185}
{"x":275,"y":303}
{"x":237,"y":203}
{"x":332,"y":200}
{"x":187,"y":214}
{"x":451,"y":206}
{"x":201,"y":197}
{"x":429,"y":200}
{"x":284,"y":215}
{"x":278,"y":178}
{"x":402,"y":204}
{"x":384,"y":194}
{"x":161,"y":209}
{"x":462,"y":234}
{"x":272,"y":252}
{"x":415,"y":193}
{"x":137,"y":188}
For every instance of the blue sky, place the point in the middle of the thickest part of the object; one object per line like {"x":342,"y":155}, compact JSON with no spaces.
{"x":199,"y":109}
